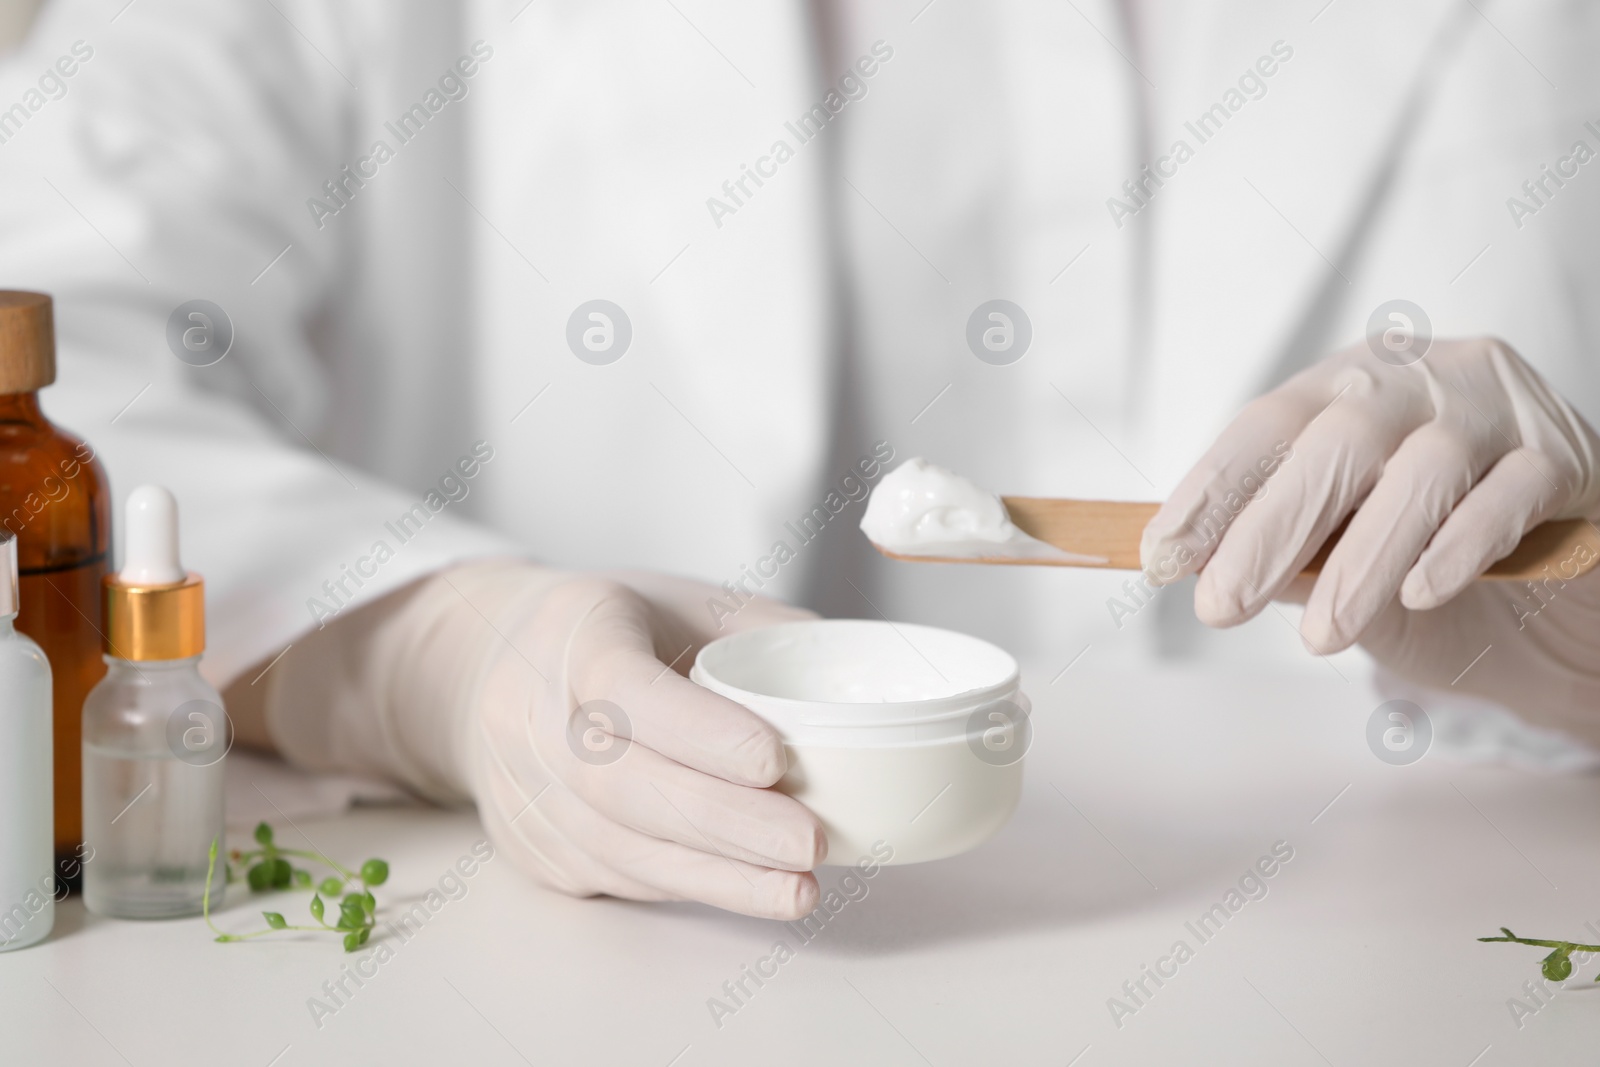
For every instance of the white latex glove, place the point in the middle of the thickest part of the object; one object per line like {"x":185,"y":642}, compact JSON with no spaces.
{"x":465,"y":685}
{"x":1445,"y":464}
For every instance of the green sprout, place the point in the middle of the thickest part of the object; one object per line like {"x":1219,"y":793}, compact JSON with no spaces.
{"x":268,"y":868}
{"x":1557,"y":966}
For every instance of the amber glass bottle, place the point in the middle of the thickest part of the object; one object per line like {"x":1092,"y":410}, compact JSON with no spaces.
{"x":54,"y":498}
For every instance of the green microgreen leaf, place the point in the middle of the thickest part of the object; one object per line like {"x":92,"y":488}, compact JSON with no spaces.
{"x":260,"y":877}
{"x":1558,"y":965}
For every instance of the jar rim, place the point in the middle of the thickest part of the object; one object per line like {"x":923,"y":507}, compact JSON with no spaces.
{"x":983,"y":675}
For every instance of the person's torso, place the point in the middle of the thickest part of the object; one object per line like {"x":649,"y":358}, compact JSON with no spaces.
{"x":802,"y":235}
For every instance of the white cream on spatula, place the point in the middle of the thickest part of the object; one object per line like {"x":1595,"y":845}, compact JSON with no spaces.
{"x":920,"y":509}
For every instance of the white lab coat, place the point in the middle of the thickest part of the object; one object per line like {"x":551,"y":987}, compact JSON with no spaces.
{"x":826,"y":313}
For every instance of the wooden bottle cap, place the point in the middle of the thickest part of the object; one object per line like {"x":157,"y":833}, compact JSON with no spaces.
{"x":27,"y":341}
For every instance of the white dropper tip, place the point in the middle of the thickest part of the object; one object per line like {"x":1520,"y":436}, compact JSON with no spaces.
{"x":151,"y":556}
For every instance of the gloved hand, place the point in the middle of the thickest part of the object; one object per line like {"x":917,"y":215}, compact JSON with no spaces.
{"x":1441,"y":466}
{"x":555,"y":701}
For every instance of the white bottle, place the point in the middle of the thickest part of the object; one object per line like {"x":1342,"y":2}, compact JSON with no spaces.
{"x":154,"y":732}
{"x":27,"y":810}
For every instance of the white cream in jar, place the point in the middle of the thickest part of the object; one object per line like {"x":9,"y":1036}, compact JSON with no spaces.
{"x":905,"y":735}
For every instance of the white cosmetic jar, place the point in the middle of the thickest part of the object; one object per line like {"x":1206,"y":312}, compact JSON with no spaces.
{"x":898,"y":735}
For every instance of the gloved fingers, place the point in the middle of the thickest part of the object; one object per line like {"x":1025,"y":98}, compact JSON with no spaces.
{"x":611,"y":658}
{"x":1420,"y":484}
{"x":652,"y":794}
{"x":676,"y":870}
{"x":1338,"y":458}
{"x":685,"y":722}
{"x":1185,"y":530}
{"x":541,"y":834}
{"x":518,"y":827}
{"x":1518,"y":493}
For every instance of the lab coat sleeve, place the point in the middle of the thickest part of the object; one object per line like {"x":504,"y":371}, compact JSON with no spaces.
{"x":175,"y":162}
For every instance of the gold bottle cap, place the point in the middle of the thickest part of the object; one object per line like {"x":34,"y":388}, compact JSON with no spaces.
{"x":146,"y":622}
{"x":27,"y":341}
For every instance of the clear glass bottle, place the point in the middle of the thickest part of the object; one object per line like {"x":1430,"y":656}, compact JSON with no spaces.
{"x":27,"y":882}
{"x":154,"y":733}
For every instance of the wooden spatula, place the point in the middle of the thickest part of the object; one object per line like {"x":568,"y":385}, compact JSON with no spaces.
{"x":1110,"y":529}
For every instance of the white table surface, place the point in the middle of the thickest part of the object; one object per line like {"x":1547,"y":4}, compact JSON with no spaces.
{"x":1148,"y":794}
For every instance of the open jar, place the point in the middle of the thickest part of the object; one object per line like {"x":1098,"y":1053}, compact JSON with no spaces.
{"x":898,"y":735}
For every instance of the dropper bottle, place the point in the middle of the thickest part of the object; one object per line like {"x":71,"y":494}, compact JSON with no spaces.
{"x":154,"y":732}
